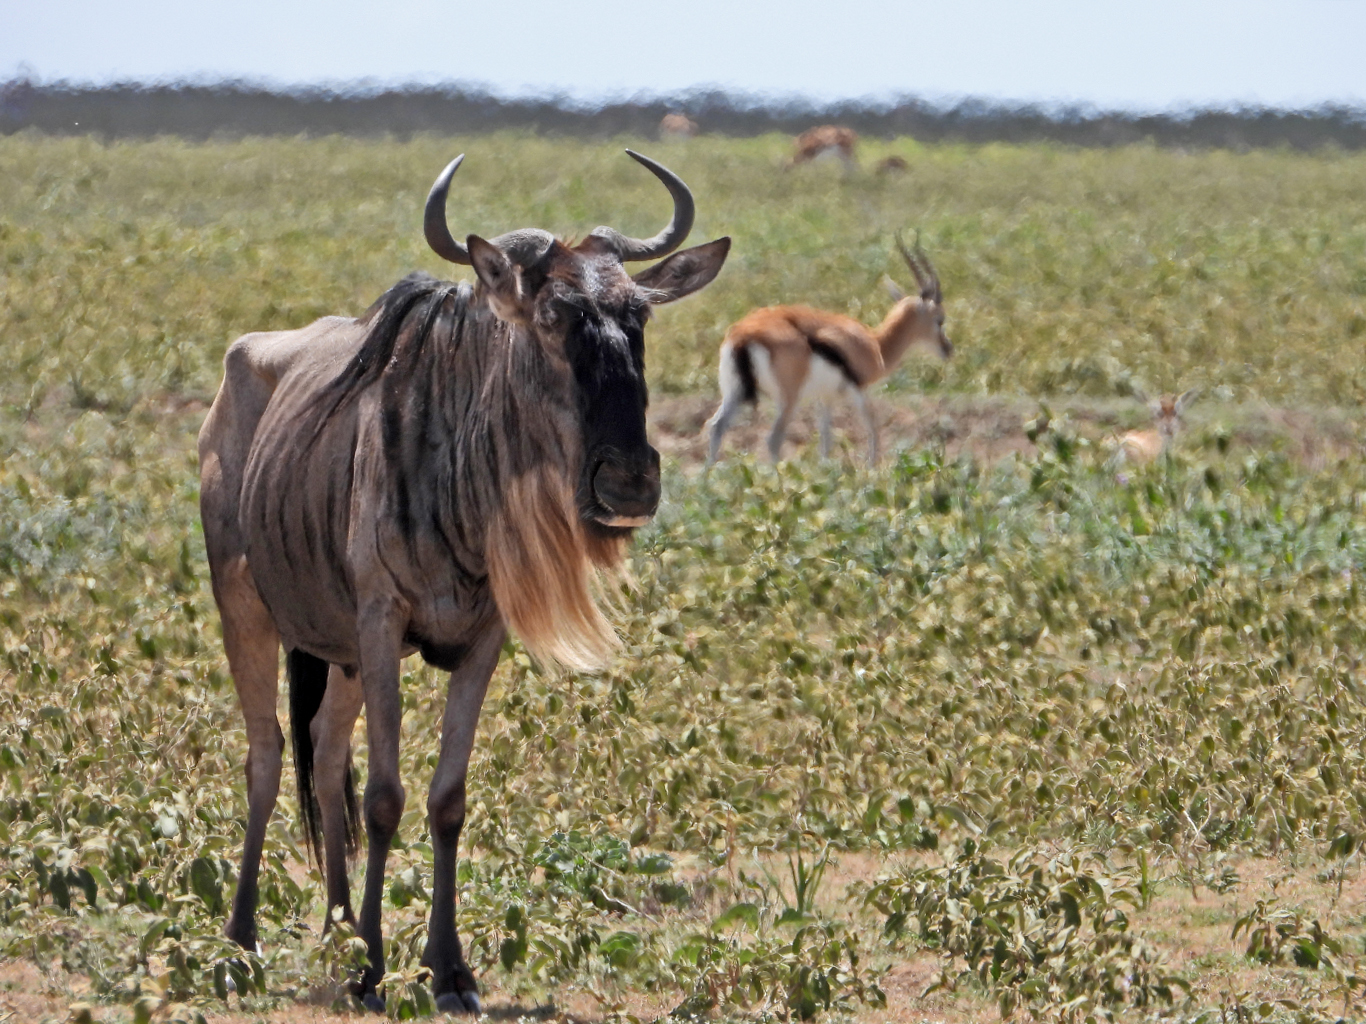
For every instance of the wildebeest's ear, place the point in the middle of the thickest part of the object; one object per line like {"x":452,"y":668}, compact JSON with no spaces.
{"x":499,"y":278}
{"x":683,"y":273}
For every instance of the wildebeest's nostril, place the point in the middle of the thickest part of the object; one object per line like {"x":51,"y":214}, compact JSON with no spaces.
{"x":625,"y":491}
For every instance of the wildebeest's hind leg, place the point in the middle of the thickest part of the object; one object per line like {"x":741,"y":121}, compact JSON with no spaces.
{"x":331,"y":733}
{"x":323,"y":704}
{"x":252,"y":645}
{"x":452,"y":982}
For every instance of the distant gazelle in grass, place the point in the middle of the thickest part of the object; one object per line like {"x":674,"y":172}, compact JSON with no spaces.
{"x":1140,"y":446}
{"x":827,"y":140}
{"x":793,"y":352}
{"x":676,"y":127}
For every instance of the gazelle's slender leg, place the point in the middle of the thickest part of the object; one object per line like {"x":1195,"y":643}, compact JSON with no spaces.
{"x":331,"y":730}
{"x":779,"y":431}
{"x":720,"y":422}
{"x":253,"y":649}
{"x":381,"y":627}
{"x":869,"y":423}
{"x":452,"y":982}
{"x":823,"y":418}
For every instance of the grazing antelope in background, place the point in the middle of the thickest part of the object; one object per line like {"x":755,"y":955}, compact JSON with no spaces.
{"x":828,"y":139}
{"x":793,"y":352}
{"x":892,"y":165}
{"x":677,"y":127}
{"x":1140,"y":446}
{"x":457,"y":462}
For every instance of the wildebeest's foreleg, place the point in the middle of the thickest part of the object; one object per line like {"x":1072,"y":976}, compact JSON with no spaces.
{"x":252,"y":646}
{"x":331,"y":731}
{"x":452,"y":982}
{"x":381,"y":630}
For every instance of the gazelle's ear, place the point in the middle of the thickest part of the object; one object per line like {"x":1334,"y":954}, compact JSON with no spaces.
{"x":1184,"y":400}
{"x":893,"y":289}
{"x":500,"y":279}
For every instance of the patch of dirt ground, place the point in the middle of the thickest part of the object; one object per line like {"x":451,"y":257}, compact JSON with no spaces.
{"x":1193,"y":927}
{"x":986,"y":428}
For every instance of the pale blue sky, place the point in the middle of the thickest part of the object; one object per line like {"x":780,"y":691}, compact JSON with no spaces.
{"x":1151,"y":55}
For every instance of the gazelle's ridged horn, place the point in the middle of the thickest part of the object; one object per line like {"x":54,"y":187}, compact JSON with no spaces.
{"x":434,"y":224}
{"x":929,"y":269}
{"x":921,"y":267}
{"x":636,"y":249}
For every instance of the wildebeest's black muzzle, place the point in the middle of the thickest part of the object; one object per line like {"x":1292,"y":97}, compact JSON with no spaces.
{"x":627,"y":490}
{"x":620,"y":485}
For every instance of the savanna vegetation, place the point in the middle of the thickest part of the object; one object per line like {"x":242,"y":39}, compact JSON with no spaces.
{"x":998,"y":730}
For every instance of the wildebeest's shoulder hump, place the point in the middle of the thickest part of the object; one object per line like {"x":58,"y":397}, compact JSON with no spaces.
{"x":418,"y":297}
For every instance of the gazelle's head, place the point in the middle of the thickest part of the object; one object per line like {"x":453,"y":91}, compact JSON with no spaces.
{"x":922,"y":314}
{"x":1168,"y":412}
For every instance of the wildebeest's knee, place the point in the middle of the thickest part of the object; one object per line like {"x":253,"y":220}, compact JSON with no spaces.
{"x":446,"y":811}
{"x":383,"y":806}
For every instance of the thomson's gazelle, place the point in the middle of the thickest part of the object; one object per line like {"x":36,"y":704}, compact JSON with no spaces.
{"x":793,"y":352}
{"x":1146,"y":445}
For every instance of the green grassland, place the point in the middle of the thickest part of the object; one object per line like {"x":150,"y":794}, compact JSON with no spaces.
{"x":1024,"y":721}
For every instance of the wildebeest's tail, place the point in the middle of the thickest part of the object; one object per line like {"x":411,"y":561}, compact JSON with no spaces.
{"x":307,"y":685}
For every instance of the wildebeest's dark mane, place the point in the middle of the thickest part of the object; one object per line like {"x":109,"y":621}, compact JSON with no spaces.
{"x":413,"y":305}
{"x":417,"y":298}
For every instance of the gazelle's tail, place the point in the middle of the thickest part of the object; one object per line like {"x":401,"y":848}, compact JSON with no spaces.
{"x":738,"y":387}
{"x":738,"y":383}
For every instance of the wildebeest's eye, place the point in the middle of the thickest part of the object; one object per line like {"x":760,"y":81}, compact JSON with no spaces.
{"x":560,"y":315}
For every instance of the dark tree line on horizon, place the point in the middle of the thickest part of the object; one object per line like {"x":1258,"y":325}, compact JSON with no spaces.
{"x":232,"y":109}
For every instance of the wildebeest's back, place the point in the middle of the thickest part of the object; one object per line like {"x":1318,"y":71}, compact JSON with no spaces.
{"x":253,"y":367}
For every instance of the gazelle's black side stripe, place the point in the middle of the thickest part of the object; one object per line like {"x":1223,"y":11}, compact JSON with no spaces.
{"x":835,"y":358}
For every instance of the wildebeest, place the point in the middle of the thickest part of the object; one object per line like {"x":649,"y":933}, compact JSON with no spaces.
{"x":455,"y":462}
{"x":795,"y":352}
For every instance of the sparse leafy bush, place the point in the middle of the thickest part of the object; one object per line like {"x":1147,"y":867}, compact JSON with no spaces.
{"x":1050,"y":934}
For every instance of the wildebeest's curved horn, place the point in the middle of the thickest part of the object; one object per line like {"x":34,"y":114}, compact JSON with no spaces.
{"x":523,"y":246}
{"x":434,"y":218}
{"x":636,"y":249}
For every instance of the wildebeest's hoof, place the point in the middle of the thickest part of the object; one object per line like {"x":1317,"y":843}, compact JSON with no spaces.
{"x":373,"y":1002}
{"x":458,"y":1002}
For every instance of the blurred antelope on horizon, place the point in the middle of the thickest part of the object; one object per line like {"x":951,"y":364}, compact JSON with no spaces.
{"x":827,"y":140}
{"x":1140,"y":446}
{"x":675,"y":127}
{"x":793,"y":352}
